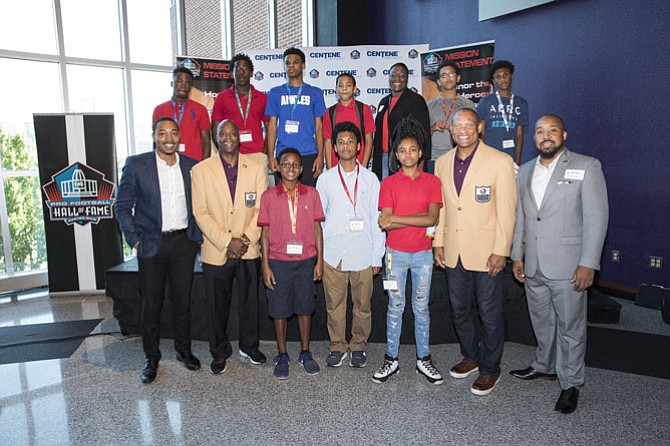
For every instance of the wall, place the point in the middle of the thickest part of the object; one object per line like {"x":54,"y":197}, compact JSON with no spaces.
{"x":600,"y":65}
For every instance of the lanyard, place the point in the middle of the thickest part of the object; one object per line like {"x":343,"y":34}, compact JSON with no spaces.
{"x":346,"y":189}
{"x":297,"y":99}
{"x":451,"y":108}
{"x":502,"y":107}
{"x":292,"y":208}
{"x":181,"y":112}
{"x":239,"y":105}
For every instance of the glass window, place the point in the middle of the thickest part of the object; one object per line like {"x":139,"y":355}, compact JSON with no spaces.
{"x":36,"y":35}
{"x":26,"y":227}
{"x":91,"y":29}
{"x":149,"y":31}
{"x":97,"y":89}
{"x":150,"y":88}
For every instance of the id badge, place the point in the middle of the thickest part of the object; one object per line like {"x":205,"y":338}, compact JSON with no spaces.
{"x":292,"y":126}
{"x":390,"y":283}
{"x":294,"y":248}
{"x":430,"y":232}
{"x":182,"y":147}
{"x":356,"y":225}
{"x":245,"y":136}
{"x":508,"y":143}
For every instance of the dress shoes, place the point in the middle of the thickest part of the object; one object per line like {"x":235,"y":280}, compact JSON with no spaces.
{"x":190,"y":361}
{"x":567,"y":402}
{"x":254,"y":356}
{"x":149,"y":371}
{"x":529,"y":374}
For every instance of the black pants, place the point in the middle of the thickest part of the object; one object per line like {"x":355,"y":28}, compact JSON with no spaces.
{"x":172,"y":264}
{"x":243,"y":276}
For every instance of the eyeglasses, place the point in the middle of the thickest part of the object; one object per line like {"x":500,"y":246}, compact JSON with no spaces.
{"x":450,"y":74}
{"x":287,"y":165}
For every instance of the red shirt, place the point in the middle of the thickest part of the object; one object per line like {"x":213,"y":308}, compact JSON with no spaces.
{"x":226,"y":107}
{"x":275,"y":213}
{"x":348,"y":113}
{"x":385,"y":124}
{"x":194,"y":119}
{"x":408,"y":197}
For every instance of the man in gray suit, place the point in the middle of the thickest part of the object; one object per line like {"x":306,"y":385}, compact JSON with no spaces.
{"x":560,"y":229}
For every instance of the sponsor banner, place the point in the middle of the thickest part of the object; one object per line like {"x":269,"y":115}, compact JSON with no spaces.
{"x":210,"y":76}
{"x":369,"y":64}
{"x":473,"y":61}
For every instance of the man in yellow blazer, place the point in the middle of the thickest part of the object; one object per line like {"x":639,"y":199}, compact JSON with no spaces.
{"x":472,"y":241}
{"x":226,"y":198}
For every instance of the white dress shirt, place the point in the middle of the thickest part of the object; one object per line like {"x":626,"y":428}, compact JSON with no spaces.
{"x":174,"y":212}
{"x":541,"y":177}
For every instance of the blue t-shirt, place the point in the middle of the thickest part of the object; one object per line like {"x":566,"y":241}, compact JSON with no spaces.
{"x":289,"y":107}
{"x":489,"y":110}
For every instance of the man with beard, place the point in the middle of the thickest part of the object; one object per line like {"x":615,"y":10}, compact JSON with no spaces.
{"x":558,"y":240}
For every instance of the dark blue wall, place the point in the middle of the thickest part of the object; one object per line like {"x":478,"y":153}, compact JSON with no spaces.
{"x":604,"y":66}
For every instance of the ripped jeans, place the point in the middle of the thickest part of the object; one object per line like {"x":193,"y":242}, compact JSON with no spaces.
{"x":421,"y":266}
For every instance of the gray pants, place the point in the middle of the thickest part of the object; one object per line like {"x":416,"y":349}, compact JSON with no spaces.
{"x":558,"y":315}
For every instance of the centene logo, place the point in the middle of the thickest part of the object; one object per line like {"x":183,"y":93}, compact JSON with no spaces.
{"x":382,"y":54}
{"x":326,"y":55}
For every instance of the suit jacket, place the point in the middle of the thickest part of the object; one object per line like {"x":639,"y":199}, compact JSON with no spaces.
{"x":569,"y":228}
{"x":480,"y":221}
{"x":218,"y":217}
{"x":138,"y":203}
{"x":409,"y":103}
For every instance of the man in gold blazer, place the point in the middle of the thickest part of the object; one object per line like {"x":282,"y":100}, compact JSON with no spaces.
{"x":226,"y":198}
{"x":472,"y":241}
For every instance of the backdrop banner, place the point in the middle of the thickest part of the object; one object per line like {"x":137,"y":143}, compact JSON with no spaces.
{"x":210,"y":76}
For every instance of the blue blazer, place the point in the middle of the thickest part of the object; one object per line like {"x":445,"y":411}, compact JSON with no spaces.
{"x":138,"y":203}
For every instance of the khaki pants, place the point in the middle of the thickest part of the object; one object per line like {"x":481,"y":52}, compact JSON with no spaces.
{"x":335,"y":284}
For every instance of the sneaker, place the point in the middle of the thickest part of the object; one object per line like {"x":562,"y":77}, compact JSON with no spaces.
{"x":425,"y":367}
{"x":463,"y":369}
{"x":281,"y":366}
{"x":254,"y":356}
{"x":485,"y":384}
{"x":358,"y":359}
{"x":310,"y":365}
{"x":389,"y":368}
{"x":335,"y":359}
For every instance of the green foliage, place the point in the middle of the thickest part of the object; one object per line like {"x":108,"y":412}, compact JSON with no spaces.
{"x":24,"y":205}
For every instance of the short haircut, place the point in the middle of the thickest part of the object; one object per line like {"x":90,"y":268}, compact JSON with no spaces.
{"x":447,"y":63}
{"x":241,"y":56}
{"x":556,"y":117}
{"x":398,"y":64}
{"x":288,"y":151}
{"x":409,"y":127}
{"x":181,"y":70}
{"x":337,"y":80}
{"x":218,"y":127}
{"x":296,"y":51}
{"x":467,"y":110}
{"x":498,"y":64}
{"x":346,"y":126}
{"x":154,"y":125}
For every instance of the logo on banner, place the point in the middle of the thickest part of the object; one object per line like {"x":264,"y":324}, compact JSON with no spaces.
{"x":314,"y":73}
{"x":371,"y":72}
{"x":412,"y":54}
{"x":357,"y":92}
{"x":482,"y":194}
{"x":355,"y":54}
{"x":431,"y":62}
{"x":192,"y":65}
{"x":258,"y":75}
{"x":79,"y":194}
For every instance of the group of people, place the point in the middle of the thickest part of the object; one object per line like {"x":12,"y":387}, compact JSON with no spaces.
{"x":342,"y":225}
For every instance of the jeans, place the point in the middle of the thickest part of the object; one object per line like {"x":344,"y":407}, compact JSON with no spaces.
{"x":421,"y":266}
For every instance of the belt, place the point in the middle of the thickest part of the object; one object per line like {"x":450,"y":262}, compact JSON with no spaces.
{"x":173,"y":233}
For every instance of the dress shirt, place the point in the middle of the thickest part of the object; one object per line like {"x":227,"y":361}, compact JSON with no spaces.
{"x":231,"y":176}
{"x":541,"y":177}
{"x":461,"y":169}
{"x":174,"y":212}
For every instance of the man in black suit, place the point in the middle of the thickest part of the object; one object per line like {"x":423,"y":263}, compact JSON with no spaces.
{"x":153,"y":207}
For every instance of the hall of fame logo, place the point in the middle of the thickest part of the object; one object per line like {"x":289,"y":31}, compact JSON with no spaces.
{"x":258,"y":75}
{"x":412,"y":54}
{"x":355,"y":54}
{"x":371,"y":72}
{"x":79,"y":194}
{"x":314,"y":73}
{"x":431,"y":62}
{"x":192,"y":65}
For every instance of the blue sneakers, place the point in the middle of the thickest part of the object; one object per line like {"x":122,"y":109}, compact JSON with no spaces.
{"x":310,"y":365}
{"x":335,"y":359}
{"x":281,"y":366}
{"x":358,"y":359}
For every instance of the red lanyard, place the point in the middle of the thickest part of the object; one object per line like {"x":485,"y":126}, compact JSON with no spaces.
{"x":451,"y":108}
{"x":346,"y":189}
{"x":292,"y":208}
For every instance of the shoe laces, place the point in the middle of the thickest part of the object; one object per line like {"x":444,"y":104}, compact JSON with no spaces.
{"x":387,"y":366}
{"x":428,"y":365}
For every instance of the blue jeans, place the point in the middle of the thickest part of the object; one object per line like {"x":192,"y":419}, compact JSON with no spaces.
{"x":421,"y":266}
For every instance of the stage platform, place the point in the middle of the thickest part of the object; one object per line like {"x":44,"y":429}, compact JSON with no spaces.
{"x":122,"y":287}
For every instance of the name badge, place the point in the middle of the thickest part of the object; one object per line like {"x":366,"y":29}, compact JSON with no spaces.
{"x":294,"y":248}
{"x":574,"y":174}
{"x":182,"y":147}
{"x":356,"y":225}
{"x":245,"y":136}
{"x":292,"y":126}
{"x":508,"y":143}
{"x":430,"y":232}
{"x":390,"y":283}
